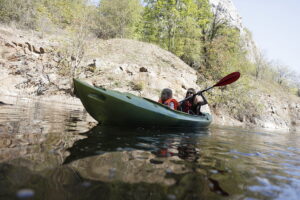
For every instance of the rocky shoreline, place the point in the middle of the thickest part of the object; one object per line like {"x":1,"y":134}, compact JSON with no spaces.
{"x":33,"y":67}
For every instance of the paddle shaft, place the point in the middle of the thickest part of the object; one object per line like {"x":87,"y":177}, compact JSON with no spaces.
{"x":230,"y":78}
{"x":198,"y":93}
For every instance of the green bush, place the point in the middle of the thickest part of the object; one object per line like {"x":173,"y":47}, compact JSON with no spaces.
{"x":24,"y":12}
{"x":137,"y":86}
{"x":118,"y":19}
{"x":29,"y":13}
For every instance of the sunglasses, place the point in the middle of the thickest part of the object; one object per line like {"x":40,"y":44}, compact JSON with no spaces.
{"x":190,"y":92}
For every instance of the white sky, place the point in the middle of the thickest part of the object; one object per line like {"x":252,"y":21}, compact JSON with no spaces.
{"x":275,"y":25}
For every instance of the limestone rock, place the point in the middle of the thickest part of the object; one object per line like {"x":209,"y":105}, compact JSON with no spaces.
{"x":227,"y":10}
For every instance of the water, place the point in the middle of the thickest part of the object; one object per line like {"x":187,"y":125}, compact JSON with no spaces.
{"x":52,"y":151}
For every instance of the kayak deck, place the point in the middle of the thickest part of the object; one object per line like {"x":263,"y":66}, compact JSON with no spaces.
{"x":124,"y":109}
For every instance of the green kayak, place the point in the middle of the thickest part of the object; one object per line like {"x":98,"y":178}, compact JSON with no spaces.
{"x":124,"y":109}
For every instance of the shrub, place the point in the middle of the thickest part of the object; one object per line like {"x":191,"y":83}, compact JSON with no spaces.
{"x":33,"y":13}
{"x":137,"y":86}
{"x":118,"y":18}
{"x":24,"y":12}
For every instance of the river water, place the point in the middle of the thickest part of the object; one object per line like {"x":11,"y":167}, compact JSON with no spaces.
{"x":54,"y":151}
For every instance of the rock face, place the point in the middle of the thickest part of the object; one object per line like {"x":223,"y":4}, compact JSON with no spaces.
{"x":141,"y":68}
{"x":284,"y":114}
{"x":227,"y":11}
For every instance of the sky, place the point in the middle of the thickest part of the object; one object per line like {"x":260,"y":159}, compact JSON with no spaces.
{"x":275,"y":25}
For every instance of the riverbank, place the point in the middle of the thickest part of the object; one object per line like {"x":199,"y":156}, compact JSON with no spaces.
{"x":38,"y":66}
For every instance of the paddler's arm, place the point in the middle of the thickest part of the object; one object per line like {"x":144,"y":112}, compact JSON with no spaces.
{"x":204,"y":102}
{"x":199,"y":101}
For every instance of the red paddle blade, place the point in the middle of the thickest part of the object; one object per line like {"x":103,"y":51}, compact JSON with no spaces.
{"x":229,"y":79}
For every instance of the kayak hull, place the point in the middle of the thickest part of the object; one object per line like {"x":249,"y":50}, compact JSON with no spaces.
{"x":124,"y":109}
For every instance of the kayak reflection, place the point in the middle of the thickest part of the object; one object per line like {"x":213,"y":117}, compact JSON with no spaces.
{"x":162,"y":143}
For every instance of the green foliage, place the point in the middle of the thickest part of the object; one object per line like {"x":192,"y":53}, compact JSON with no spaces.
{"x":28,"y":12}
{"x":176,"y":26}
{"x":224,"y":54}
{"x":137,"y":86}
{"x":119,"y":19}
{"x":61,"y":12}
{"x":23,"y":12}
{"x":190,"y":30}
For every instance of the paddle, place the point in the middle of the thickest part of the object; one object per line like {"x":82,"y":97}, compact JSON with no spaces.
{"x":230,"y":78}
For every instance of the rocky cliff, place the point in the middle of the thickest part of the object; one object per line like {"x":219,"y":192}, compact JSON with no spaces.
{"x":226,"y":10}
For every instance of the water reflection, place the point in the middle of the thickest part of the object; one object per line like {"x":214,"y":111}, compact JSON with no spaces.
{"x":162,"y":143}
{"x":49,"y":152}
{"x":39,"y":131}
{"x":138,"y":155}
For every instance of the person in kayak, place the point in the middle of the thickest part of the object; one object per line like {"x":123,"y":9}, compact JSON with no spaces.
{"x":166,"y":98}
{"x":193,"y":106}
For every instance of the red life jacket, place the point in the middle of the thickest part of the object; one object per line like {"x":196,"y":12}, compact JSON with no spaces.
{"x":187,"y":106}
{"x":169,"y":101}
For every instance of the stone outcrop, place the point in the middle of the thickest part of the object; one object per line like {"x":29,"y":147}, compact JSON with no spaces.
{"x":32,"y":69}
{"x":227,"y":11}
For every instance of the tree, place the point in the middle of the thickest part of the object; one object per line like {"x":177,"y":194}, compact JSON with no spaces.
{"x":161,"y":19}
{"x":261,"y":63}
{"x":176,"y":26}
{"x":222,"y":50}
{"x":283,"y":72}
{"x":196,"y":16}
{"x":119,"y":18}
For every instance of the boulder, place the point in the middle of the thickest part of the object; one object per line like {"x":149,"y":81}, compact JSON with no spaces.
{"x":143,"y":69}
